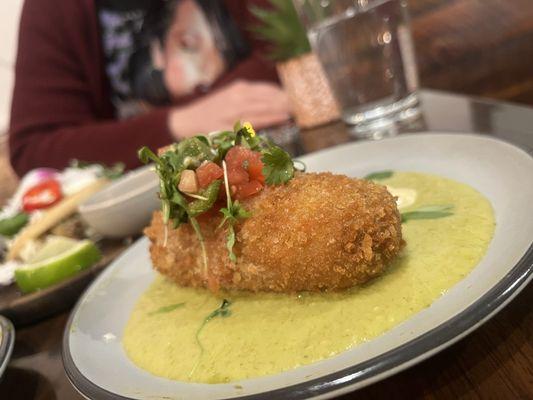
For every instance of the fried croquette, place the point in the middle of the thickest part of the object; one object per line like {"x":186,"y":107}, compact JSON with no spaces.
{"x":318,"y":232}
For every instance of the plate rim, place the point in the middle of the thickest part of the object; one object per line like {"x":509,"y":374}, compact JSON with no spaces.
{"x":7,"y":342}
{"x":381,"y":366}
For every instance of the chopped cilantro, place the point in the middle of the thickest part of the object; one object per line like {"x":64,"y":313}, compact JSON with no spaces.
{"x":279,"y":167}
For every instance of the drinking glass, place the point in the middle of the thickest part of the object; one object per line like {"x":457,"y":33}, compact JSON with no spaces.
{"x":366,"y":51}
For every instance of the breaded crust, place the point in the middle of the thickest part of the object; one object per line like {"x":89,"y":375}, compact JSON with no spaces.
{"x":318,"y":232}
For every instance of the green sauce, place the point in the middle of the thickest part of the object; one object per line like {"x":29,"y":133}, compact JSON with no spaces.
{"x":268,"y":333}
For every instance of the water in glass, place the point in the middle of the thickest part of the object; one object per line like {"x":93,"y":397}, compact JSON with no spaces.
{"x":368,"y":57}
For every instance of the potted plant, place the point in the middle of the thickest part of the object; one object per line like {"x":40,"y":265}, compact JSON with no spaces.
{"x":299,"y":70}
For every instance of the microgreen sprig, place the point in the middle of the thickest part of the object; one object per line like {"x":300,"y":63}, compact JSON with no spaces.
{"x":222,"y":311}
{"x":232,"y":213}
{"x":428,"y":212}
{"x":167,"y":309}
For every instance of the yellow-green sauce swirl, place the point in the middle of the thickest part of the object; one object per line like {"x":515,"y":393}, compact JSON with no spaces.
{"x":270,"y":333}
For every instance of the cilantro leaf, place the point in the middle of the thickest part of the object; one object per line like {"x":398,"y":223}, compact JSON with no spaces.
{"x":232,"y":214}
{"x":279,"y":167}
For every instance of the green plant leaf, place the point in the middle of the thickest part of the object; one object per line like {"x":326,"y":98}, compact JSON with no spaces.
{"x":278,"y":166}
{"x":376,"y":176}
{"x":167,"y":309}
{"x":428,"y":212}
{"x":280,"y":26}
{"x":222,"y":311}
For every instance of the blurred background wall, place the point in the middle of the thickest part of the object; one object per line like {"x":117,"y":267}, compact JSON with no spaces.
{"x":9,"y":19}
{"x":477,"y":47}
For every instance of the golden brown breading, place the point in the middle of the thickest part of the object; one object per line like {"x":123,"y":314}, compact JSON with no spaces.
{"x":318,"y":232}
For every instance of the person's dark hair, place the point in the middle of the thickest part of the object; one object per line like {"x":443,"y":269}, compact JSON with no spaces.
{"x":146,"y":82}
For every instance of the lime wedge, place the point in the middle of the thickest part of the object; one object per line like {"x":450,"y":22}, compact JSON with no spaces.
{"x":58,"y":259}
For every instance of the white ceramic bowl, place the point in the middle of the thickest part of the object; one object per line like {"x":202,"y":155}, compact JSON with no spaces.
{"x":124,"y":207}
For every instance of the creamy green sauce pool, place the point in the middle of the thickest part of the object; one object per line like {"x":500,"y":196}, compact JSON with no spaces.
{"x":269,"y":333}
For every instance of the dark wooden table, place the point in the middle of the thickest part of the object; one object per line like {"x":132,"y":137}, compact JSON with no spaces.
{"x":494,"y":362}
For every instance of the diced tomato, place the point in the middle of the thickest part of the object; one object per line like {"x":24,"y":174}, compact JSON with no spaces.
{"x":43,"y":195}
{"x":248,"y":189}
{"x":237,"y":176}
{"x":255,"y":170}
{"x":244,"y":171}
{"x":236,"y":155}
{"x":207,"y":173}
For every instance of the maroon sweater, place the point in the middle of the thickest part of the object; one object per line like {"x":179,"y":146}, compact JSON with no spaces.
{"x":62,"y":106}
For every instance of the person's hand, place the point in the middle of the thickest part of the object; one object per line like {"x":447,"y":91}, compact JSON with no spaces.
{"x":262,"y":104}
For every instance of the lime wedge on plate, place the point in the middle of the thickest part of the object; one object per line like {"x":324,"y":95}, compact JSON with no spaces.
{"x":59,"y":258}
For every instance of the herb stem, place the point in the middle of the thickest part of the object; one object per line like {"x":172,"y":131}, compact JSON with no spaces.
{"x":222,"y":311}
{"x":226,"y":183}
{"x":197,"y":196}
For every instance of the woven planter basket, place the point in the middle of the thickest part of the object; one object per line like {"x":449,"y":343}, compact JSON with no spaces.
{"x":308,"y":90}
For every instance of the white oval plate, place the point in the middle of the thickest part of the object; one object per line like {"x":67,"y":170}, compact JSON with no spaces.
{"x":7,"y":341}
{"x":98,"y":367}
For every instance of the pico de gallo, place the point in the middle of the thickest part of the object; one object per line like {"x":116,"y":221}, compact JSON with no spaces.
{"x":200,"y":173}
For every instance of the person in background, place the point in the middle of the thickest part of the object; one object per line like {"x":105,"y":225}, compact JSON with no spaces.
{"x":98,"y":79}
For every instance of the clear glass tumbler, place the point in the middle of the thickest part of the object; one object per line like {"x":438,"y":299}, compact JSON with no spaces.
{"x":367,"y":53}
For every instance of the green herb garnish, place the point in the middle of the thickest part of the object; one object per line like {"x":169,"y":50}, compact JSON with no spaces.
{"x":279,"y":167}
{"x":115,"y":171}
{"x":169,"y":166}
{"x":11,"y":226}
{"x":245,"y":136}
{"x":190,"y":154}
{"x":380,"y":175}
{"x":232,"y":213}
{"x":222,"y":311}
{"x":428,"y":212}
{"x":167,"y":309}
